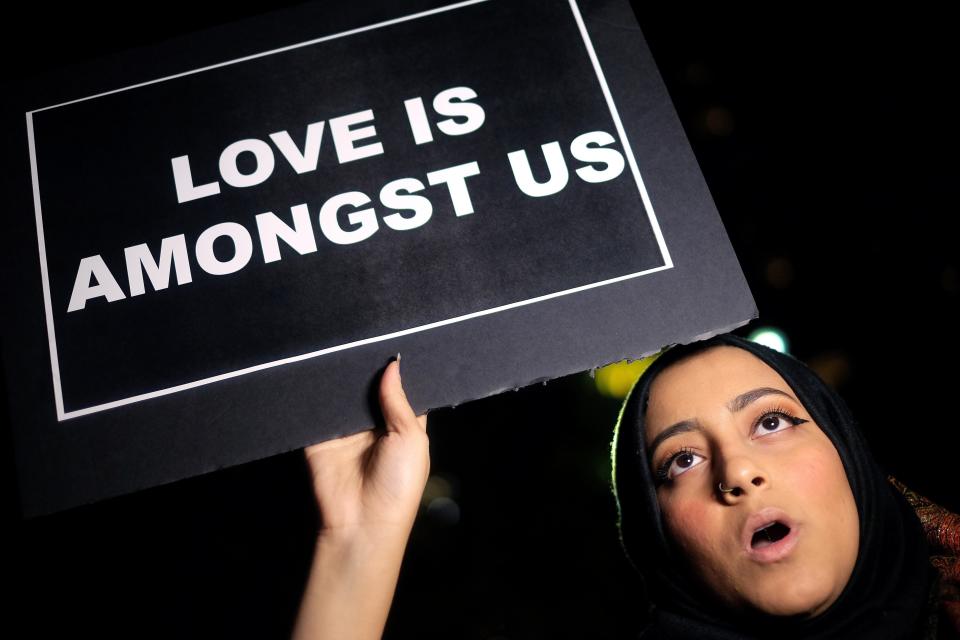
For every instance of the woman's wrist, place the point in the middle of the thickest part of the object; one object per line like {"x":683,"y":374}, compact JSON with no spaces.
{"x":361,"y":557}
{"x":352,"y":580}
{"x":365,"y":537}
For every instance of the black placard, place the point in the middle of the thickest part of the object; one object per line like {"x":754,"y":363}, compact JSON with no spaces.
{"x":215,"y":250}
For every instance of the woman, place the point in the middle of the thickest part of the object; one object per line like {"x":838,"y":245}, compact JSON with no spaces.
{"x":747,"y":497}
{"x":751,"y":504}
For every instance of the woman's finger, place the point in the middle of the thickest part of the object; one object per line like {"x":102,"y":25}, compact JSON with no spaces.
{"x":397,"y":412}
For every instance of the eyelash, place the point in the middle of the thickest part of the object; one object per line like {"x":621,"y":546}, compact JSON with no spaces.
{"x":780,"y":412}
{"x":661,"y":475}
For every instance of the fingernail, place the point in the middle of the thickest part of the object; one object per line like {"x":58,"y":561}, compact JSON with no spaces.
{"x":398,"y":362}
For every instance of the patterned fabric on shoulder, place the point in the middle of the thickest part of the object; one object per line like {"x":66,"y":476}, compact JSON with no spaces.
{"x":943,"y":535}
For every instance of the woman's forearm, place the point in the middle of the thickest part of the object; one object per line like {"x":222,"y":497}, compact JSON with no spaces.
{"x":351,"y":585}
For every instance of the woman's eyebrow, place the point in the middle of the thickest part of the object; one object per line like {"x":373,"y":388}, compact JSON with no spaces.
{"x":737,"y":404}
{"x":684,"y":426}
{"x":747,"y":397}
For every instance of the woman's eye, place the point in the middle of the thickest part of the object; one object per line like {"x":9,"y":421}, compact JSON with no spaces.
{"x":683,"y":462}
{"x":774,"y":422}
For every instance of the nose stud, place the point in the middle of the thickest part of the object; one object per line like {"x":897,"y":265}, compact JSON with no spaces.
{"x":722,"y":490}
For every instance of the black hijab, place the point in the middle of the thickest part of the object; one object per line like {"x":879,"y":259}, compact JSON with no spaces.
{"x":887,"y":592}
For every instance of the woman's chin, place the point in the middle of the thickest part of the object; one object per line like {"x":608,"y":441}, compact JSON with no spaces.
{"x":796,"y":599}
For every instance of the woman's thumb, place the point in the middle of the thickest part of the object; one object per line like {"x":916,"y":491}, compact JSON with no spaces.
{"x":397,"y":412}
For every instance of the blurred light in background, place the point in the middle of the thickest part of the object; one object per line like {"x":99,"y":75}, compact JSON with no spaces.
{"x":444,"y":510}
{"x":771,"y":337}
{"x":718,"y":121}
{"x":833,"y":367}
{"x":779,"y":273}
{"x":437,"y":486}
{"x":615,"y":380}
{"x":438,"y":500}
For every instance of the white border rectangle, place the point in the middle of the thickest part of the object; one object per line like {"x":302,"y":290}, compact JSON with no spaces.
{"x":54,"y":362}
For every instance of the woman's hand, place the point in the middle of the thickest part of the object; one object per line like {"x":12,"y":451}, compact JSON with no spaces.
{"x":373,"y":479}
{"x":368,"y":488}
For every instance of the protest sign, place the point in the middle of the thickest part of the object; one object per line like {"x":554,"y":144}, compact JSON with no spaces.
{"x":216,"y":243}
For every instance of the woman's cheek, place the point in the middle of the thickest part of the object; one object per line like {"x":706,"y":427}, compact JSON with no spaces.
{"x":692,"y":525}
{"x":816,"y":471}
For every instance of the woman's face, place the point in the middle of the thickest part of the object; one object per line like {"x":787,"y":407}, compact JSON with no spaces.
{"x":782,"y":537}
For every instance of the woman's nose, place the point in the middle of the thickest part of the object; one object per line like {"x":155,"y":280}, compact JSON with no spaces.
{"x":740,"y":476}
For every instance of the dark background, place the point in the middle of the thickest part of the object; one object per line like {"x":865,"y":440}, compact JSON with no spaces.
{"x":827,"y":141}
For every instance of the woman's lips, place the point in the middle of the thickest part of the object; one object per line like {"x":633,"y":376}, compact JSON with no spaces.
{"x":769,"y":551}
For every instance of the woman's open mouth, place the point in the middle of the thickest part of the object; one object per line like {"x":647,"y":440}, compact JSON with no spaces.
{"x":769,"y":535}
